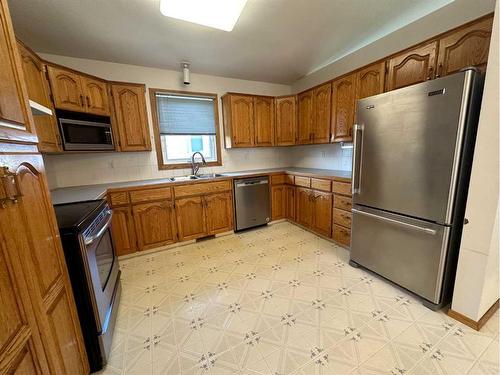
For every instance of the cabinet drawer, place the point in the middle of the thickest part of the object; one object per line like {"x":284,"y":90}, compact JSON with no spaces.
{"x":342,"y":217}
{"x":118,"y":199}
{"x":320,"y":184}
{"x":148,"y":195}
{"x":342,"y":187}
{"x":342,"y":235}
{"x":302,"y":181}
{"x":290,"y":179}
{"x":278,"y":179}
{"x":201,"y":188}
{"x":342,"y":202}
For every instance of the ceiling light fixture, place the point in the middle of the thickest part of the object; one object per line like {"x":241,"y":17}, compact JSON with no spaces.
{"x":219,"y":14}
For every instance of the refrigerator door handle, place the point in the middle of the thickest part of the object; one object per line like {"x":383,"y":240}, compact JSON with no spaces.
{"x":396,"y":222}
{"x":356,"y":159}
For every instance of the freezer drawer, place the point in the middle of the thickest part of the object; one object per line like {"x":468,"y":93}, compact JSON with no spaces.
{"x":407,"y":251}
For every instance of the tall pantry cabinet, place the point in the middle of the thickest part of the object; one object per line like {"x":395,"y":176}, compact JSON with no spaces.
{"x":39,"y":327}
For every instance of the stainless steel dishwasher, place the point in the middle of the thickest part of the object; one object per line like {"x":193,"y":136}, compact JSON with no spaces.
{"x":251,"y":202}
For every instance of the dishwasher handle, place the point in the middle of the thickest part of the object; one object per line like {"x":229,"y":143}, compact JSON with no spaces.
{"x":251,"y":182}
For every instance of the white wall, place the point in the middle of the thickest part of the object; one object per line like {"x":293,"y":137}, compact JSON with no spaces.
{"x":476,"y":285}
{"x":328,"y":156}
{"x":86,"y":169}
{"x":455,"y":14}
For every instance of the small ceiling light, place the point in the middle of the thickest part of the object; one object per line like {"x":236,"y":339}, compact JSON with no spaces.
{"x":185,"y":73}
{"x":219,"y":14}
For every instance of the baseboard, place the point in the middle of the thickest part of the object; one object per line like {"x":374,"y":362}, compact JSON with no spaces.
{"x":477,"y":325}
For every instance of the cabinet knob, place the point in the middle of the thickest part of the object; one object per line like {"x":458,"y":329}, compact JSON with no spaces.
{"x":9,"y":187}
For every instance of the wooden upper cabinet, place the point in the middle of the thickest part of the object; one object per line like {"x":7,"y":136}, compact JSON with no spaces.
{"x":264,"y":120}
{"x":305,"y":109}
{"x":322,"y":100}
{"x":130,"y":117}
{"x":219,"y":212}
{"x":412,"y":66}
{"x":286,"y":120}
{"x":238,"y":120}
{"x":370,"y":80}
{"x":343,"y":101}
{"x":16,"y":122}
{"x":67,"y":91}
{"x":467,"y":46}
{"x":155,"y":224}
{"x":38,"y":91}
{"x":96,"y":96}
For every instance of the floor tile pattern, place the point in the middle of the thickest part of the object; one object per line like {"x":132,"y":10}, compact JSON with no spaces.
{"x":280,"y":300}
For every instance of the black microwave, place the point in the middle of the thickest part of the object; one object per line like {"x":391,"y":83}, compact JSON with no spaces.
{"x":85,"y":132}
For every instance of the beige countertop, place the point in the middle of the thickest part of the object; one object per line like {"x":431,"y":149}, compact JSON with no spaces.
{"x":90,"y":192}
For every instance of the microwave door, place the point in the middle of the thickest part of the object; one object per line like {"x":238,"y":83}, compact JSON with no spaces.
{"x":80,"y":135}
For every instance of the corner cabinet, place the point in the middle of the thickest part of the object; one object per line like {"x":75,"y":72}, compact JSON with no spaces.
{"x":130,"y":118}
{"x":38,"y":91}
{"x":286,"y":120}
{"x":322,"y":100}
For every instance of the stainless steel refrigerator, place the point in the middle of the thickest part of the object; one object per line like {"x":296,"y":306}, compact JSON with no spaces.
{"x":412,"y":157}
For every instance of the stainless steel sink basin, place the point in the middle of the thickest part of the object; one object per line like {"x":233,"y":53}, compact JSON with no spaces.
{"x":210,"y":175}
{"x":184,"y":178}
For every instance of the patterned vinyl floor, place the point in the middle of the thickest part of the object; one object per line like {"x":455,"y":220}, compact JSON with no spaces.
{"x":278,"y":301}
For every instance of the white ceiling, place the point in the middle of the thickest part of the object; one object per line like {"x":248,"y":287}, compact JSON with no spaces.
{"x":274,"y":40}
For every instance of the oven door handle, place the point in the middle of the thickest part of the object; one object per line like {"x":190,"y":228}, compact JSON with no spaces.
{"x":101,"y":231}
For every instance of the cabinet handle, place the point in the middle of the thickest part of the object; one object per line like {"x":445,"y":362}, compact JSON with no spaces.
{"x":431,"y":72}
{"x":9,"y":187}
{"x":81,"y":101}
{"x":439,"y":70}
{"x":89,"y":104}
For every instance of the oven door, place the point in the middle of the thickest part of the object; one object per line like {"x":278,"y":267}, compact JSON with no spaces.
{"x":102,"y":270}
{"x":80,"y":135}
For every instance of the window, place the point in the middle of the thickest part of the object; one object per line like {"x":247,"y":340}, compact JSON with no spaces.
{"x":185,"y":123}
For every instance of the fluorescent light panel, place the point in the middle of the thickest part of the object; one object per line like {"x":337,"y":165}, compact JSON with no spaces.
{"x":219,"y":14}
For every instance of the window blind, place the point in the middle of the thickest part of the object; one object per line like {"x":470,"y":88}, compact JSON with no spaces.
{"x":185,"y":115}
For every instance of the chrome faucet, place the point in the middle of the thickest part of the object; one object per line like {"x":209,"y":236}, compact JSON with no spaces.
{"x":195,"y":167}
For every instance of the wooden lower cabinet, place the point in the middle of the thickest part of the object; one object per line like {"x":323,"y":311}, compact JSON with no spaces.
{"x":278,"y":203}
{"x":341,"y":235}
{"x":219,"y":212}
{"x":290,"y":202}
{"x":37,"y":300}
{"x":123,"y":231}
{"x":155,"y":224}
{"x":304,"y":207}
{"x":342,"y":216}
{"x":322,"y":213}
{"x":191,"y":221}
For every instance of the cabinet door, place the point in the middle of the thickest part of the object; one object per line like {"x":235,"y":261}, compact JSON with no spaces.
{"x":242,"y":120}
{"x":343,"y":99}
{"x":467,"y":46}
{"x":322,"y":113}
{"x":67,"y":91}
{"x":413,"y":66}
{"x":155,"y":224}
{"x":370,"y":80}
{"x":131,"y":119}
{"x":286,"y":120}
{"x":290,"y":202}
{"x":278,"y":202}
{"x":264,"y":121}
{"x":305,"y":127}
{"x":304,"y":206}
{"x":15,"y":115}
{"x":191,"y":220}
{"x":322,"y":213}
{"x":96,"y":96}
{"x":38,"y":91}
{"x":29,"y":229}
{"x":123,"y":231}
{"x":219,"y":212}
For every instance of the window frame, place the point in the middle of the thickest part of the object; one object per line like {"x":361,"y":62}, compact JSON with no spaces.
{"x":156,"y":127}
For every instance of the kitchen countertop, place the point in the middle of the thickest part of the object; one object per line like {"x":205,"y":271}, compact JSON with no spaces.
{"x":90,"y":192}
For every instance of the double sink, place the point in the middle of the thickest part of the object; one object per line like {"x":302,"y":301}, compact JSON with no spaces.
{"x":197,"y":177}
